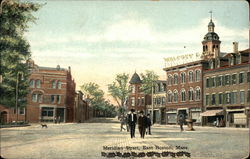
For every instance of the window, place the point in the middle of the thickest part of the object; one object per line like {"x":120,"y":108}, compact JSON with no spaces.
{"x":228,"y":98}
{"x":163,"y":100}
{"x":227,"y":79}
{"x":164,"y":87}
{"x":191,"y":94}
{"x":220,"y":98}
{"x":198,"y":93}
{"x":241,"y":77}
{"x":40,"y":100}
{"x":242,"y":97}
{"x":183,"y":77}
{"x":233,"y":97}
{"x":169,"y":97}
{"x":219,"y":81}
{"x":158,"y":100}
{"x":234,"y":79}
{"x":34,"y":97}
{"x":47,"y":112}
{"x":207,"y":99}
{"x":213,"y":99}
{"x":58,"y":99}
{"x":191,"y":76}
{"x":53,"y":99}
{"x":142,"y":100}
{"x":154,"y":99}
{"x":248,"y":96}
{"x":207,"y":83}
{"x":213,"y":81}
{"x":133,"y":89}
{"x":32,"y":83}
{"x":175,"y":78}
{"x":22,"y":111}
{"x":38,"y":83}
{"x":169,"y":80}
{"x":197,"y":75}
{"x":59,"y":84}
{"x":175,"y":96}
{"x":132,"y":101}
{"x":248,"y":76}
{"x":54,"y":84}
{"x":138,"y":101}
{"x":183,"y":95}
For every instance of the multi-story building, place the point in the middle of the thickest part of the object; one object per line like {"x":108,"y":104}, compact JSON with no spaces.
{"x":81,"y":111}
{"x":137,"y":100}
{"x":52,"y":94}
{"x":159,"y":101}
{"x":226,"y":89}
{"x":184,"y":91}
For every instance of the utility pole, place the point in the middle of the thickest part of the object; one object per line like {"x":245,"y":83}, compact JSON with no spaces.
{"x":152,"y":101}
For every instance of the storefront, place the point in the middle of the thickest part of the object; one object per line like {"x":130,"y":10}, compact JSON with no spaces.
{"x":52,"y":114}
{"x":195,"y":114}
{"x":213,"y":118}
{"x":171,"y":117}
{"x":236,"y":118}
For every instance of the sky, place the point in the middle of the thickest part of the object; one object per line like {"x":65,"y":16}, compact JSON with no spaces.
{"x":99,"y":39}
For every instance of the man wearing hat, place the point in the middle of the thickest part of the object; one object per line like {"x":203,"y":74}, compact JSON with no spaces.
{"x":142,"y":124}
{"x":132,"y":119}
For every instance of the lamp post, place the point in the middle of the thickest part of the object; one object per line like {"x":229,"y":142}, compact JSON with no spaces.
{"x":17,"y":84}
{"x":152,"y":101}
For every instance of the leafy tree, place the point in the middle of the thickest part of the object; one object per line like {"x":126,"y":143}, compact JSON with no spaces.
{"x":147,"y":81}
{"x":15,"y":17}
{"x":119,"y":89}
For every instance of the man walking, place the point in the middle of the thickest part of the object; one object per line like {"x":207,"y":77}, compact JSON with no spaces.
{"x":132,"y":119}
{"x":149,"y":123}
{"x":142,"y":124}
{"x":122,"y":120}
{"x":181,"y":122}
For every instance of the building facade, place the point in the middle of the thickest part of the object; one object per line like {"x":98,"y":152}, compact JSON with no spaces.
{"x":159,"y":102}
{"x":81,"y":110}
{"x":226,"y":89}
{"x":8,"y":115}
{"x":184,"y":92}
{"x":52,"y":94}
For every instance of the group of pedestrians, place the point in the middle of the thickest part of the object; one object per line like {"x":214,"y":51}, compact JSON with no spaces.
{"x":143,"y":121}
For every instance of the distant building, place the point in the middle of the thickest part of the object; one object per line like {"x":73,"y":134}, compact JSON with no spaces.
{"x":52,"y":94}
{"x":81,"y":110}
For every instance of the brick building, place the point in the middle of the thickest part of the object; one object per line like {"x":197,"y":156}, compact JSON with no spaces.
{"x":159,"y":101}
{"x":184,"y":91}
{"x":81,"y":112}
{"x":8,"y":115}
{"x":226,"y":89}
{"x":52,"y":94}
{"x":137,"y":99}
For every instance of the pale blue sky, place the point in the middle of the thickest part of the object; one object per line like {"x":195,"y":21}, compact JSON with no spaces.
{"x":99,"y":39}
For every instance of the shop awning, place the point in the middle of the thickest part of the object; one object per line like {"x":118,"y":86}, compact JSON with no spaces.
{"x":212,"y":113}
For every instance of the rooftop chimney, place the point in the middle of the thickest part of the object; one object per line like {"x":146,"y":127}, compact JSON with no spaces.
{"x":235,"y":47}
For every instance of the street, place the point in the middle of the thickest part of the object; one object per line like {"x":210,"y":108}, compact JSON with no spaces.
{"x":99,"y":137}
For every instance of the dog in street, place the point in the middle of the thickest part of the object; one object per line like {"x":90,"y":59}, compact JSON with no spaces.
{"x":44,"y":125}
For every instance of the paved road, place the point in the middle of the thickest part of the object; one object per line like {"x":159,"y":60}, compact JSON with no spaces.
{"x":88,"y":140}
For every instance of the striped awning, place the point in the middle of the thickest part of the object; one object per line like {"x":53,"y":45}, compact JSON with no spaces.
{"x":212,"y":113}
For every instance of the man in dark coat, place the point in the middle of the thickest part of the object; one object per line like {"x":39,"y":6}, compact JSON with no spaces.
{"x":181,"y":122}
{"x":132,"y":119}
{"x":142,"y":124}
{"x":149,"y":123}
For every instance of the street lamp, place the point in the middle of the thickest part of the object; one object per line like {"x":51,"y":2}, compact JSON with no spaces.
{"x":17,"y":83}
{"x":152,"y":101}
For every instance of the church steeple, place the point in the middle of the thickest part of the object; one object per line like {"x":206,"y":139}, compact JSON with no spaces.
{"x":211,"y":42}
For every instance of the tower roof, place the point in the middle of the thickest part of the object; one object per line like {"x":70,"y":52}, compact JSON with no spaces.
{"x":211,"y":23}
{"x":211,"y":36}
{"x":135,"y":79}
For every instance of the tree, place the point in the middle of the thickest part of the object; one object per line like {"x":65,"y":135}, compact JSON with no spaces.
{"x":119,"y":89}
{"x":14,"y":49}
{"x":147,"y":81}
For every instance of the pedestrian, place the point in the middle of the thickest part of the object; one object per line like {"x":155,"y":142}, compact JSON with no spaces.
{"x":55,"y":120}
{"x":122,"y":121}
{"x":59,"y":119}
{"x":126,"y":123}
{"x":149,"y":124}
{"x":181,"y":122}
{"x":132,"y":119}
{"x":142,"y":124}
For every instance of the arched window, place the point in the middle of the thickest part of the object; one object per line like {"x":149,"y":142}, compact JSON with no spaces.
{"x":191,"y":76}
{"x":197,"y":93}
{"x":175,"y":96}
{"x":183,"y":95}
{"x":197,"y":75}
{"x":54,"y":84}
{"x":170,"y":96}
{"x":169,"y":80}
{"x":59,"y":84}
{"x":183,"y":77}
{"x":175,"y":78}
{"x":32,"y":83}
{"x":191,"y":94}
{"x":38,"y":83}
